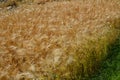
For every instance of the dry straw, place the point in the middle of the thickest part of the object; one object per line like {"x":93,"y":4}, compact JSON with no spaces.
{"x":57,"y":40}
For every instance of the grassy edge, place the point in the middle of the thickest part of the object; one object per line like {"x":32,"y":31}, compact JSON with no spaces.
{"x":110,"y":69}
{"x":94,"y":62}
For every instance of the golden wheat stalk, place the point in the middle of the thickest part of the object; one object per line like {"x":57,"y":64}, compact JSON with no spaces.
{"x":56,"y":40}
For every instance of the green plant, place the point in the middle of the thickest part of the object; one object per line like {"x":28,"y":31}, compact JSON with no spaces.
{"x":110,"y":69}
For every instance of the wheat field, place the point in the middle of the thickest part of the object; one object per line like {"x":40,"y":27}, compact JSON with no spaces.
{"x":63,"y":40}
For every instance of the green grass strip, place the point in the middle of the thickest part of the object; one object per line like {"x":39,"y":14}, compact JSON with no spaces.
{"x":110,"y":69}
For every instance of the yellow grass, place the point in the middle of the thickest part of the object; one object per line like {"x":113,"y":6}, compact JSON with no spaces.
{"x":56,"y":40}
